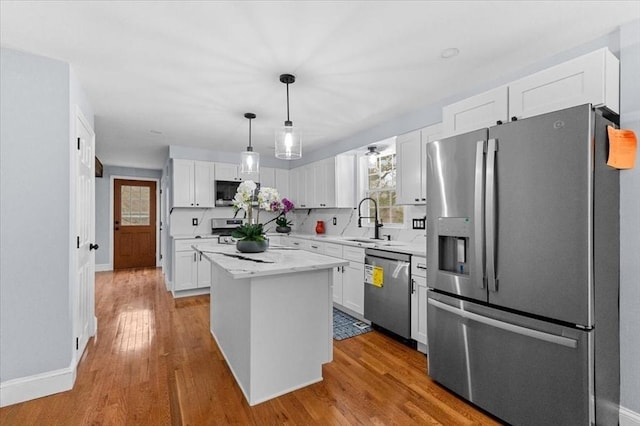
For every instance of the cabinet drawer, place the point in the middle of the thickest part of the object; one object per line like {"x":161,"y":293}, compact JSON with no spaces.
{"x":315,"y":246}
{"x":334,"y":250}
{"x":299,"y":243}
{"x":418,"y":266}
{"x":185,"y":245}
{"x":355,"y":254}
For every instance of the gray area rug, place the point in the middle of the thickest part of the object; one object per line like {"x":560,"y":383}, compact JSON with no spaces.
{"x":345,"y":326}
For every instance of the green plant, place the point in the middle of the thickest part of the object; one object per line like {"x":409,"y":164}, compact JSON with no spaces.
{"x":249,"y":232}
{"x":282,"y":221}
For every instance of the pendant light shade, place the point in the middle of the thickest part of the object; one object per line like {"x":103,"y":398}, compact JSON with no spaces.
{"x":249,"y":160}
{"x":288,"y":138}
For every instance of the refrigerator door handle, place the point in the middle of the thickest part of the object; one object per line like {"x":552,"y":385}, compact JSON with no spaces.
{"x":534,"y":334}
{"x":490,"y":214}
{"x":478,"y":216}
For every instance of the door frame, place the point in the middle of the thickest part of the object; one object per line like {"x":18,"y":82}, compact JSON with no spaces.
{"x":111,"y":205}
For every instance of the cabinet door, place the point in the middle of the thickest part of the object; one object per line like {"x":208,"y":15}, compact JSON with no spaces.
{"x":282,"y":182}
{"x":203,"y":272}
{"x":344,"y":186}
{"x":353,"y":287}
{"x":225,"y":171}
{"x":294,"y":185}
{"x":476,"y":112}
{"x":338,"y":273}
{"x":205,"y":194}
{"x":322,"y":183}
{"x":428,"y":134}
{"x":419,"y":309}
{"x":185,"y":273}
{"x":183,"y":183}
{"x":409,"y":173}
{"x":267,"y":177}
{"x":307,"y":182}
{"x":591,"y":78}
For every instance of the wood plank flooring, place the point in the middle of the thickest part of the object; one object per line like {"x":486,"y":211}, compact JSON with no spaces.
{"x":154,"y":362}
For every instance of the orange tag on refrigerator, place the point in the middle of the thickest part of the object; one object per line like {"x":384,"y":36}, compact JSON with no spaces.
{"x":623,"y":146}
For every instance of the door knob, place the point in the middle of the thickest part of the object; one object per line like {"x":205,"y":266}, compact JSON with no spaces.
{"x":93,"y":247}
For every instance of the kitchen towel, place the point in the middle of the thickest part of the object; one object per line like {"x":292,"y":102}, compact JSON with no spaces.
{"x":623,"y":145}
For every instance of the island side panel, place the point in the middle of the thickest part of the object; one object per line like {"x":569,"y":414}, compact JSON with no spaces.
{"x":230,"y":323}
{"x":291,"y":331}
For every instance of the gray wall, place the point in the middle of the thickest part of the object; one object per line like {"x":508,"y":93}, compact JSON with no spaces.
{"x":103,"y":205}
{"x":630,"y":223}
{"x":35,"y":216}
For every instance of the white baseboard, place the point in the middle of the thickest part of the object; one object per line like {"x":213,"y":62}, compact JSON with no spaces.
{"x":102,"y":267}
{"x":36,"y":386}
{"x":629,"y":418}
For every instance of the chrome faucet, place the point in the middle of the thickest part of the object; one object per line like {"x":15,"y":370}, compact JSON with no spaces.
{"x":376,"y":224}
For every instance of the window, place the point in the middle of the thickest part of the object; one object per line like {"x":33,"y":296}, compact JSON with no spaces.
{"x":135,"y":205}
{"x":381,"y":186}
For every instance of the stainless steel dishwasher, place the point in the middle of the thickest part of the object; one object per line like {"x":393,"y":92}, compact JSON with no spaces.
{"x":387,"y":291}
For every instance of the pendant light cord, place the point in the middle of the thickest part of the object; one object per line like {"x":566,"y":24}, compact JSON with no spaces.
{"x":249,"y":133}
{"x":288,"y":119}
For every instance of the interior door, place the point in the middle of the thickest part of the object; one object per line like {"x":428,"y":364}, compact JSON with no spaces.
{"x":85,"y":235}
{"x":134,"y":227}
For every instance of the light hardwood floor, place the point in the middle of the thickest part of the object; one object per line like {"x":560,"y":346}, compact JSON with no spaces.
{"x":154,"y":362}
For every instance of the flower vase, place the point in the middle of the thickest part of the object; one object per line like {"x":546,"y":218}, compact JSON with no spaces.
{"x":244,"y":246}
{"x":320,"y":227}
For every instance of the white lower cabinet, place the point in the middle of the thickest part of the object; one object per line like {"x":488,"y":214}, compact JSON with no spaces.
{"x":353,"y":279}
{"x":353,"y":287}
{"x":191,"y":271}
{"x":419,"y":302}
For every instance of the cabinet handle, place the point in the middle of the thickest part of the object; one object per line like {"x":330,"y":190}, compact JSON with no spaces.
{"x":200,"y":256}
{"x":343,"y":269}
{"x":416,"y":199}
{"x":421,"y":266}
{"x":413,"y":286}
{"x":315,"y":247}
{"x":194,"y":256}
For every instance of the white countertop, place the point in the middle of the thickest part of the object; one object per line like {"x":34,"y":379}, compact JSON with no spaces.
{"x":282,"y":260}
{"x":190,"y":237}
{"x":395,"y":246}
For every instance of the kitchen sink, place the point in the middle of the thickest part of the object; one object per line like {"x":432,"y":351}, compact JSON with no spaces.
{"x":381,"y":243}
{"x":364,"y":240}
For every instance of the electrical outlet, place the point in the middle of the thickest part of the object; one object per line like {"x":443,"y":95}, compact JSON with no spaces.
{"x":194,"y":221}
{"x":335,"y":220}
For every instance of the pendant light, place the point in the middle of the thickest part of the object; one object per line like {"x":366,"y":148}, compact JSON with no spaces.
{"x":249,"y":160}
{"x":288,"y":139}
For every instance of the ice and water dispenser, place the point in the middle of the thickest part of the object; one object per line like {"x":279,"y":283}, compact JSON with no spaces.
{"x":453,"y":244}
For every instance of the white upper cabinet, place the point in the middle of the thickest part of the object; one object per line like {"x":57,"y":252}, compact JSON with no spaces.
{"x":324,"y":184}
{"x":591,"y":78}
{"x":482,"y":110}
{"x":411,"y":184}
{"x":275,"y":178}
{"x":193,"y":183}
{"x":229,"y":172}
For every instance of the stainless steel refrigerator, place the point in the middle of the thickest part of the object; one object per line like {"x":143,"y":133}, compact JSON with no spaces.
{"x":523,"y":269}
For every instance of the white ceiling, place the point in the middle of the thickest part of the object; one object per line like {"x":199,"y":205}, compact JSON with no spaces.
{"x":190,"y":70}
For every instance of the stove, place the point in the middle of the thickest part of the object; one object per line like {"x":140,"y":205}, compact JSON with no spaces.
{"x":223,"y":228}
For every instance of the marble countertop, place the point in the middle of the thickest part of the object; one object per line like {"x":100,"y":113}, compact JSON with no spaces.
{"x":395,"y":246}
{"x":190,"y":237}
{"x":276,"y":260}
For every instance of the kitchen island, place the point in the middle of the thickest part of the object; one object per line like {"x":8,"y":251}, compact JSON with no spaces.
{"x":271,"y":316}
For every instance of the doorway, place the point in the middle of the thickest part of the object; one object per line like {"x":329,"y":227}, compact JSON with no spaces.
{"x":134,"y":223}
